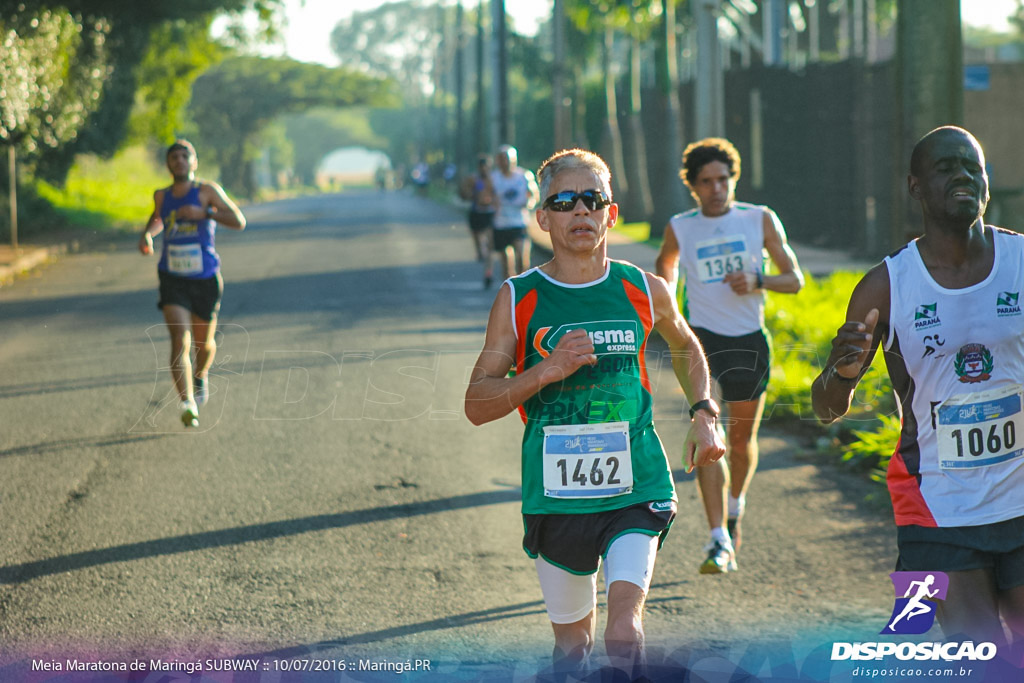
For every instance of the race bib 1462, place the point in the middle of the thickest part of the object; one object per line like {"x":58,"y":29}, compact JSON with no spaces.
{"x":587,"y":461}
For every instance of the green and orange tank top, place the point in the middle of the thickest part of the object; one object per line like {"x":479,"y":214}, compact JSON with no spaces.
{"x":589,"y":444}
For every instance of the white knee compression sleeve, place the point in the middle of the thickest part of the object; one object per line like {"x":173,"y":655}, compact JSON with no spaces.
{"x":631,"y":558}
{"x":568,"y":597}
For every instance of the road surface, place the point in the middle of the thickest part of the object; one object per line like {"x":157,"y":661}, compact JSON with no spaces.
{"x":335,"y":503}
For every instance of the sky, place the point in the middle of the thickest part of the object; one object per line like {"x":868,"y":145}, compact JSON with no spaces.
{"x":310,"y":21}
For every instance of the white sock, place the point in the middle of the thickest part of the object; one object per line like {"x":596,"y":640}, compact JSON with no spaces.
{"x":737,"y":505}
{"x":721,"y":535}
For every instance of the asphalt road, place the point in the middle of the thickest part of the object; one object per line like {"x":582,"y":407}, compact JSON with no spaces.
{"x":334,"y":502}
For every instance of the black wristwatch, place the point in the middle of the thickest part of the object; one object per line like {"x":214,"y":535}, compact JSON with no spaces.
{"x":210,"y":211}
{"x":707,"y":405}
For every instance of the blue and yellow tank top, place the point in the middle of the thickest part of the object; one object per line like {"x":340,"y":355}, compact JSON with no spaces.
{"x":188,"y":246}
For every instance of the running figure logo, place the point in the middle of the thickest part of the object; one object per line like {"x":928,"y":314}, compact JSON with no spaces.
{"x":914,"y":612}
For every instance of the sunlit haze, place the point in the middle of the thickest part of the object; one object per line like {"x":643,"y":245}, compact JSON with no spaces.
{"x":310,"y":22}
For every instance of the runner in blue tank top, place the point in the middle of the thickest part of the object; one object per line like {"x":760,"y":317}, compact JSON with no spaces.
{"x":187,"y":214}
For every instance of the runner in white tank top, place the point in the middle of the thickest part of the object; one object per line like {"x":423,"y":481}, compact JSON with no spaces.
{"x":515,"y":193}
{"x":720,"y":247}
{"x":946,"y":309}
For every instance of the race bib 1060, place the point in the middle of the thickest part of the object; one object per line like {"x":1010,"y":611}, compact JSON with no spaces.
{"x":587,"y":461}
{"x":980,"y":429}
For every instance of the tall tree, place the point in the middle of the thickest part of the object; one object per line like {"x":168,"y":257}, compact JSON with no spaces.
{"x":52,"y":68}
{"x":599,"y":19}
{"x":669,"y":194}
{"x":640,"y":204}
{"x":127,"y":43}
{"x":401,"y":41}
{"x":929,"y":66}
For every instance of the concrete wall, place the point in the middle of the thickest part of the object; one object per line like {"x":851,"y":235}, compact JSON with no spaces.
{"x":995,"y":117}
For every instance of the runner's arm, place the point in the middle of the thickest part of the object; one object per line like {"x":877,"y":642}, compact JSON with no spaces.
{"x":666,"y":265}
{"x":154,"y":226}
{"x":854,"y":346}
{"x":491,"y":393}
{"x":790,"y":279}
{"x":225,"y":211}
{"x":703,"y":446}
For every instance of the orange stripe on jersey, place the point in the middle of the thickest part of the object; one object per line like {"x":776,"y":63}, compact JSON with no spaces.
{"x":538,"y":338}
{"x":642,"y":303}
{"x":523,"y":314}
{"x":908,"y":504}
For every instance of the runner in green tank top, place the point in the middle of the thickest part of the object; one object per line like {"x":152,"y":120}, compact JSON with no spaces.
{"x":565,"y":346}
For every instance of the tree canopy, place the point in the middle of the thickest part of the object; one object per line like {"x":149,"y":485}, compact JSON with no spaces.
{"x":52,"y":68}
{"x":235,"y":100}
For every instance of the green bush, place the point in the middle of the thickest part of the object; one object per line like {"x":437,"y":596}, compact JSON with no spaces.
{"x":874,"y":447}
{"x":101,"y":194}
{"x":802,"y":328}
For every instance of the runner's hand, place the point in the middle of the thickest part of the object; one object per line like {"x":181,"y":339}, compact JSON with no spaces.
{"x":851,"y":345}
{"x":146,"y":244}
{"x":703,"y":444}
{"x":741,"y":281}
{"x":573,"y":351}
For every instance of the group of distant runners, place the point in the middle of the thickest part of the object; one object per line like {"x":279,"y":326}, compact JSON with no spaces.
{"x":565,"y":348}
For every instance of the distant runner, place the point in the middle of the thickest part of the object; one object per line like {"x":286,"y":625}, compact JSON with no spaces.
{"x":720,"y":247}
{"x":597,"y":486}
{"x":187,"y":214}
{"x":479,"y":191}
{"x":946,"y":310}
{"x":515,"y":193}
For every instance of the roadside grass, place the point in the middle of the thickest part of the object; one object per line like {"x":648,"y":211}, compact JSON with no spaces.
{"x":637,"y":232}
{"x":109,"y":194}
{"x":802,"y":328}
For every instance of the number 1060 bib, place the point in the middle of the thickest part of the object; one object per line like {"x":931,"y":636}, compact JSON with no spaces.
{"x":977,"y":430}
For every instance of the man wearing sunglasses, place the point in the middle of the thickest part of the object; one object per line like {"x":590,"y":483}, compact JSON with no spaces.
{"x":597,"y":485}
{"x":516,"y":192}
{"x":720,"y":247}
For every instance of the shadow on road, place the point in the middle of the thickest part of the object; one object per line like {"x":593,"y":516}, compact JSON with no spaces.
{"x":522,"y":609}
{"x":20,"y":573}
{"x":77,"y":445}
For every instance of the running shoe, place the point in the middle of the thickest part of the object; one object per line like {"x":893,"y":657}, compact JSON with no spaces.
{"x":721,"y":558}
{"x":201,"y":390}
{"x":733,"y":526}
{"x":189,"y":413}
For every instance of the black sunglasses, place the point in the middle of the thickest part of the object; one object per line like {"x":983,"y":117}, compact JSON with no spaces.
{"x":566,"y":200}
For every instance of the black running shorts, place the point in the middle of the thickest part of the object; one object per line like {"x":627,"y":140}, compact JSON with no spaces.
{"x":201,"y":296}
{"x":577,"y":542}
{"x":741,"y":365}
{"x":506,"y":237}
{"x":480,"y":220}
{"x":998,"y":546}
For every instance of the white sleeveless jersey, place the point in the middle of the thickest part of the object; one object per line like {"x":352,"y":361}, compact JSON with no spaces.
{"x":513,"y":193}
{"x":710,"y":247}
{"x":956,"y":358}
